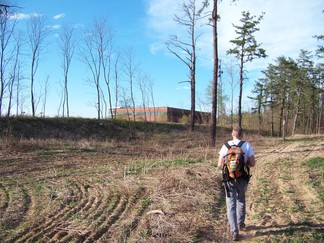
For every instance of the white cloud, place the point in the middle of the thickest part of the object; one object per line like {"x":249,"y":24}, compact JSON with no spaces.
{"x":56,"y":27}
{"x":22,"y":16}
{"x":184,"y":88}
{"x":59,"y":16}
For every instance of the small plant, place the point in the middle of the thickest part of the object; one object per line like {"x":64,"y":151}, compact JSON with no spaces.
{"x":316,"y":175}
{"x":289,"y":190}
{"x":256,"y":216}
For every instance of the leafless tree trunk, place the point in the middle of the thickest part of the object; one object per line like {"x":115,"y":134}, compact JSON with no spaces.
{"x":125,"y":101}
{"x":67,"y":45}
{"x":46,"y":88}
{"x":130,"y":70}
{"x":116,"y":71}
{"x":185,"y":51}
{"x":92,"y":56}
{"x":150,"y":85}
{"x":106,"y":49}
{"x":18,"y":88}
{"x":232,"y":73}
{"x":142,"y":79}
{"x":15,"y":72}
{"x":214,"y":20}
{"x":7,"y":27}
{"x":296,"y":113}
{"x":37,"y":31}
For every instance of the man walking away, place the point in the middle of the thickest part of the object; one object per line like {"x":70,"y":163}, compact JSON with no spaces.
{"x":236,"y":181}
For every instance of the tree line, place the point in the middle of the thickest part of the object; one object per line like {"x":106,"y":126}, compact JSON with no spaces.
{"x":288,"y":98}
{"x":22,"y":53}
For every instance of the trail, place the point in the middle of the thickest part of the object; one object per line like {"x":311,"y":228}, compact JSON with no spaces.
{"x":279,"y":199}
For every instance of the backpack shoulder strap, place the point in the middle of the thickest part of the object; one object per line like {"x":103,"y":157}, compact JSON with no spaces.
{"x":227,"y":145}
{"x":240,"y":143}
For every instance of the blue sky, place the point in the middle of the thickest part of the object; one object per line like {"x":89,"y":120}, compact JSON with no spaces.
{"x":145,"y":26}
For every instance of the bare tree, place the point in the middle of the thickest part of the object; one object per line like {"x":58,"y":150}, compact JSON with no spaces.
{"x":150,"y":89}
{"x":91,"y":54}
{"x":130,"y":68}
{"x":142,"y":85}
{"x":116,"y":77}
{"x":107,"y":51}
{"x":7,"y":28}
{"x":97,"y":52}
{"x":185,"y":50}
{"x":46,"y":88}
{"x":125,"y":101}
{"x":37,"y":32}
{"x":15,"y":73}
{"x":67,"y":45}
{"x":232,"y":74}
{"x":214,"y":19}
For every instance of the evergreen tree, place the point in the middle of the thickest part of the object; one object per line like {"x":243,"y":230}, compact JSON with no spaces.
{"x":246,"y":48}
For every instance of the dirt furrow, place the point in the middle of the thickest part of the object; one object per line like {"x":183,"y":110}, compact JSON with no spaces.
{"x":70,"y":194}
{"x":130,"y":225}
{"x":4,"y":200}
{"x":129,"y":218}
{"x":63,"y":229}
{"x":112,"y":218}
{"x":100,"y":216}
{"x":18,"y":206}
{"x":40,"y":223}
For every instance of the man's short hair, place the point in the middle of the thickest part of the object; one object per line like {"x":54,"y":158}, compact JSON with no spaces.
{"x":237,"y":131}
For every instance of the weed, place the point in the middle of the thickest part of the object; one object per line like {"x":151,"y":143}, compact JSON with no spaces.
{"x":316,"y":163}
{"x":316,"y":175}
{"x":144,"y":233}
{"x":39,"y":185}
{"x":289,"y":191}
{"x":256,"y":216}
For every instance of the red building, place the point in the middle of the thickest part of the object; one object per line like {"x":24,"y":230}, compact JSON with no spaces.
{"x":161,"y":114}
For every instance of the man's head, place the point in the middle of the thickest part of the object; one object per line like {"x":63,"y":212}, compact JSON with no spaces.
{"x":237,"y":132}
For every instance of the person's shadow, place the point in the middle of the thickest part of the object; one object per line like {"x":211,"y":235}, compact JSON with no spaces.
{"x":287,"y":229}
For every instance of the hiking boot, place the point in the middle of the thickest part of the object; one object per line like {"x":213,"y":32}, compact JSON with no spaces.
{"x":242,"y":226}
{"x":234,"y":237}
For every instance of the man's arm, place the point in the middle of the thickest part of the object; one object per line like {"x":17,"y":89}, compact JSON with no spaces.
{"x":220,"y":161}
{"x":251,"y":161}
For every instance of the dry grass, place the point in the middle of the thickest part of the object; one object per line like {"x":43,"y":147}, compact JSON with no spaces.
{"x":164,"y":187}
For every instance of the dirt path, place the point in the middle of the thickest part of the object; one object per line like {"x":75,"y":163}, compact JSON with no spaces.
{"x":280,"y":199}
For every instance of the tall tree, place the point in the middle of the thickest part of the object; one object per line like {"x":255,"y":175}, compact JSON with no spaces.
{"x":281,"y":77}
{"x":7,"y":27}
{"x":91,"y":53}
{"x":259,"y":90}
{"x":302,"y":83}
{"x":107,"y":53}
{"x":232,"y":73}
{"x":320,"y":48}
{"x":15,"y":72}
{"x":185,"y":50}
{"x":214,"y":20}
{"x":37,"y":32}
{"x":130,"y":69}
{"x":246,"y":48}
{"x":116,"y":78}
{"x":67,"y":46}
